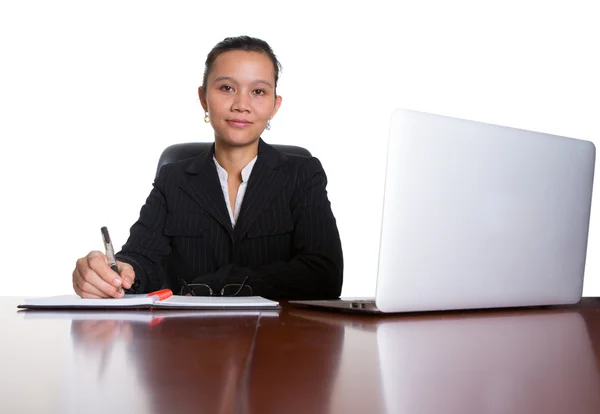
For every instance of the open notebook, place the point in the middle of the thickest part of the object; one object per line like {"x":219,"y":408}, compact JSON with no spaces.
{"x":158,"y":300}
{"x":143,"y":316}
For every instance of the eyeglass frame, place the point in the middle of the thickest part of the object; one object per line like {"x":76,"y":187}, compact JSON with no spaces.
{"x":211,"y":292}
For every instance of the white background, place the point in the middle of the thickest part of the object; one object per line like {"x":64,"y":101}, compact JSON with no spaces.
{"x":92,"y":92}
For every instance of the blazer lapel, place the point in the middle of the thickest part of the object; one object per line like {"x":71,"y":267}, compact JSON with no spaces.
{"x":264,"y":185}
{"x":204,"y":187}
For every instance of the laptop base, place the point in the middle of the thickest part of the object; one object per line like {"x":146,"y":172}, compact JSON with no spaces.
{"x":361,"y":305}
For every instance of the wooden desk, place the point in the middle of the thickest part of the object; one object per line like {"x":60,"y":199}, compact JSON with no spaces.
{"x":301,"y":361}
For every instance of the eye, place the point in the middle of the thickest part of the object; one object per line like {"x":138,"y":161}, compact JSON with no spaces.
{"x":259,"y":92}
{"x":226,"y":88}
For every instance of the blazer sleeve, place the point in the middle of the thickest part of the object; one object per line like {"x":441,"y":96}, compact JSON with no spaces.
{"x":316,"y":268}
{"x":147,"y":246}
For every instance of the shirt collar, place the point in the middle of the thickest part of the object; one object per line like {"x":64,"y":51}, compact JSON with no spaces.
{"x":245,"y":171}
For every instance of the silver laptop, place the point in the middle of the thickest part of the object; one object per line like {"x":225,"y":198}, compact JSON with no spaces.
{"x":479,"y":216}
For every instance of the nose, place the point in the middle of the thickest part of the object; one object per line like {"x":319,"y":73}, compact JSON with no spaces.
{"x":241,"y":102}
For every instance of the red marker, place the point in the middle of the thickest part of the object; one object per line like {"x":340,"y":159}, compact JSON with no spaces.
{"x":162,"y":294}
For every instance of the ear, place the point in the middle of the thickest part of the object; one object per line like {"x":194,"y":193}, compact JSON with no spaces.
{"x":202,"y":97}
{"x":278,"y":101}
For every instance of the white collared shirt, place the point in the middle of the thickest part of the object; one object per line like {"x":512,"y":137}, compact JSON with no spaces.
{"x":233,"y":215}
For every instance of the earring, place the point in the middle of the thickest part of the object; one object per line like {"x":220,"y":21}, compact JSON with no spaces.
{"x":269,"y":124}
{"x":206,"y":118}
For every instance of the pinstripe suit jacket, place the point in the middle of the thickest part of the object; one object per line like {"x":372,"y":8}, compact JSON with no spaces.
{"x":285,"y":241}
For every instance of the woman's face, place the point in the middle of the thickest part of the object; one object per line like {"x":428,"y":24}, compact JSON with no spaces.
{"x":240,"y":96}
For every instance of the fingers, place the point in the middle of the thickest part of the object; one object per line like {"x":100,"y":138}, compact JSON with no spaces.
{"x":109,"y":280}
{"x":94,"y":278}
{"x":127,"y":274}
{"x":85,"y":289}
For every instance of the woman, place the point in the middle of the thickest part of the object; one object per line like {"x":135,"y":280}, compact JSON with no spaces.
{"x":241,"y":218}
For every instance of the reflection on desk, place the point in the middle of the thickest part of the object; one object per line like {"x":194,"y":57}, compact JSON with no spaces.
{"x":301,"y":361}
{"x":528,"y":363}
{"x":183,"y":361}
{"x":537,"y":361}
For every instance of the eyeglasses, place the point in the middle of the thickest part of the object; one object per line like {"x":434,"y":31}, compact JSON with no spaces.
{"x":201,"y":289}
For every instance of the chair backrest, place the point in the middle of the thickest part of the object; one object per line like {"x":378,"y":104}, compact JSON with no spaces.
{"x":186,"y":150}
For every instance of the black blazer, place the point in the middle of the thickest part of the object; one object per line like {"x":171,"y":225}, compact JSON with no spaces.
{"x":285,"y":244}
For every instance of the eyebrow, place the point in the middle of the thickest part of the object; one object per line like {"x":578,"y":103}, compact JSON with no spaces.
{"x":229,"y":78}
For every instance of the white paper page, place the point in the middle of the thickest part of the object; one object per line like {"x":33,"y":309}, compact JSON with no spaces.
{"x":76,"y":301}
{"x":217,"y":302}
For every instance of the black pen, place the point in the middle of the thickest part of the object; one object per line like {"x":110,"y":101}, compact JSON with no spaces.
{"x":110,"y":252}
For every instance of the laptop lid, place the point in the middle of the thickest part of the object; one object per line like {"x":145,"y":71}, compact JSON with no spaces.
{"x":480,"y":216}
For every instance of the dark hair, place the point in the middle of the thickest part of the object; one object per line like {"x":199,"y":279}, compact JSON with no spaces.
{"x":250,"y":44}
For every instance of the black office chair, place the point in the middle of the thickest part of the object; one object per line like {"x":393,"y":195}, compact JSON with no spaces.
{"x":179,"y":152}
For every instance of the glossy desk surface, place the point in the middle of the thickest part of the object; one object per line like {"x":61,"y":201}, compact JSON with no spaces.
{"x":301,"y":361}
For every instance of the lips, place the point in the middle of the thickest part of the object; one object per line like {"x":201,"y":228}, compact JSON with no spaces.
{"x":239,"y":123}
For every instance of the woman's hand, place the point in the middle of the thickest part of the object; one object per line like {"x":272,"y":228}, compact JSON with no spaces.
{"x":93,"y":278}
